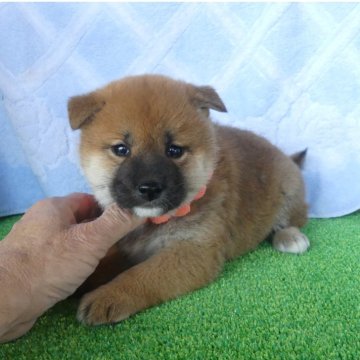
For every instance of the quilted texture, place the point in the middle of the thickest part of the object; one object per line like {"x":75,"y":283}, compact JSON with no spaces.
{"x":290,"y":72}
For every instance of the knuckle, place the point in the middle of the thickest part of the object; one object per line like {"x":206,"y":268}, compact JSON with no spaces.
{"x":116,"y":215}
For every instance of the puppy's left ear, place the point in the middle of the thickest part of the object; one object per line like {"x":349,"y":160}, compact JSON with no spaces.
{"x":205,"y":98}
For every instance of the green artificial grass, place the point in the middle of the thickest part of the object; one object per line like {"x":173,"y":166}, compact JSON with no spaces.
{"x":265,"y":305}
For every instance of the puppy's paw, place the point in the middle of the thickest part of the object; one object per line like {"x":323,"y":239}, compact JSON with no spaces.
{"x":104,"y":306}
{"x":290,"y":240}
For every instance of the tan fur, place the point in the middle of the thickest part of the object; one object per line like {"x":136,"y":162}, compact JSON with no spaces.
{"x":255,"y":190}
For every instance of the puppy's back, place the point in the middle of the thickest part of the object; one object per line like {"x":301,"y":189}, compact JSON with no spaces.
{"x":264,"y":185}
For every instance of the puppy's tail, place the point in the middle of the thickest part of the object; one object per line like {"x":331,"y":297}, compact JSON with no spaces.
{"x":299,"y":158}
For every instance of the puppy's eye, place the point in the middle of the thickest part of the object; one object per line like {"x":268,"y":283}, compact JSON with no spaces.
{"x":174,"y":151}
{"x":120,"y":150}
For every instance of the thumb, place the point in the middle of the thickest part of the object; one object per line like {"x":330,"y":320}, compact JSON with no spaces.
{"x":110,"y":227}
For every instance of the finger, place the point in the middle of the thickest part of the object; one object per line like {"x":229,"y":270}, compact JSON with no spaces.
{"x":75,"y":208}
{"x":83,"y":206}
{"x":72,"y":208}
{"x":111,"y":226}
{"x":17,"y":331}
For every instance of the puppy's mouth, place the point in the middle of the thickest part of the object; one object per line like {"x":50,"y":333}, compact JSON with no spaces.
{"x":149,"y":185}
{"x":142,"y":211}
{"x":143,"y":207}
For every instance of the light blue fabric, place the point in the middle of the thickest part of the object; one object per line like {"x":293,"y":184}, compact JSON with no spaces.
{"x":288,"y":71}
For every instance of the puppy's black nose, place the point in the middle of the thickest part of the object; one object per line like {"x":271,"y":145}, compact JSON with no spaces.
{"x":150,"y":190}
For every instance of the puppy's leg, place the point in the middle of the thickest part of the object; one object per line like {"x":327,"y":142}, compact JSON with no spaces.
{"x":290,"y":240}
{"x":173,"y":271}
{"x":292,"y":216}
{"x":110,"y":266}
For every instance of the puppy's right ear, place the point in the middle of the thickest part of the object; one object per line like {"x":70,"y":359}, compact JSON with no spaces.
{"x":81,"y":109}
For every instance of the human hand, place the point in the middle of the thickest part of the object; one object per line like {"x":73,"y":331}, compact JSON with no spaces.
{"x":51,"y":251}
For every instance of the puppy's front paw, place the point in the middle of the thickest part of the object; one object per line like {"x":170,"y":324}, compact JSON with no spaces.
{"x":104,"y":306}
{"x":290,"y":240}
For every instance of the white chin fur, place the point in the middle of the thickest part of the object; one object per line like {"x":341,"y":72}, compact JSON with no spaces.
{"x":146,"y":212}
{"x":103,"y":197}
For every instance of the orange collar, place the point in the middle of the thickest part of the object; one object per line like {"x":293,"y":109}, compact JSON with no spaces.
{"x":181,"y":211}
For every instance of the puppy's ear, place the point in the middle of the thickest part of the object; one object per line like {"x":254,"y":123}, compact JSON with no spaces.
{"x":81,"y":109}
{"x":299,"y":158}
{"x":205,"y":98}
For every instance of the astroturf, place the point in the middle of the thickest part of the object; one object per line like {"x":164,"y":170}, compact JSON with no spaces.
{"x":265,"y":305}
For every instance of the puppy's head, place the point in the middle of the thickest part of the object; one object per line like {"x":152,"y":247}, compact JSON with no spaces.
{"x":147,"y":142}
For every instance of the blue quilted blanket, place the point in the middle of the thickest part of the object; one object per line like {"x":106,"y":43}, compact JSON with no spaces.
{"x":288,"y":71}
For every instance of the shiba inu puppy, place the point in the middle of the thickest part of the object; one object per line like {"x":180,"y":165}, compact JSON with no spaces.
{"x":210,"y":192}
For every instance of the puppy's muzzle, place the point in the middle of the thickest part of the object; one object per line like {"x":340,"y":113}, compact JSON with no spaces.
{"x":149,"y":181}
